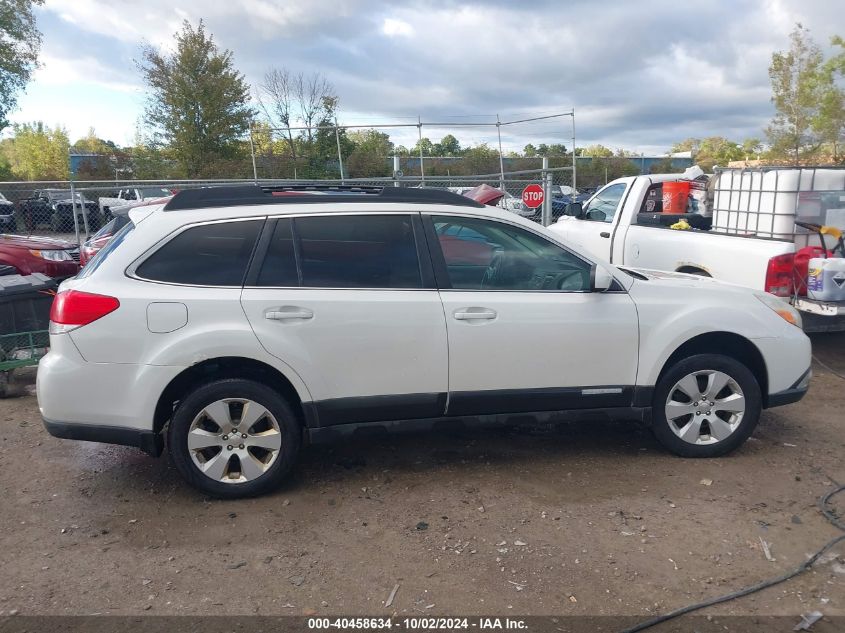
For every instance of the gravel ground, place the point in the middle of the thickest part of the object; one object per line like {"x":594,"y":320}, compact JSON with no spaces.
{"x":589,"y":519}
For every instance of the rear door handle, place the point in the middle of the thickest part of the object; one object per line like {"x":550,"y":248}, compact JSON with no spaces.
{"x":604,"y":234}
{"x":472,"y":314}
{"x":288,"y":313}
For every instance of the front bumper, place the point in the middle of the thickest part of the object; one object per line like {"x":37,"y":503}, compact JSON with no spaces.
{"x":793,"y":394}
{"x":148,"y":441}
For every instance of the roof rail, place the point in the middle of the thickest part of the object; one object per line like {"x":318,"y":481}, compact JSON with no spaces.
{"x":242,"y":195}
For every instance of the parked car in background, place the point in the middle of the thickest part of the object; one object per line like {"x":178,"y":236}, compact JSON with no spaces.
{"x":51,"y":257}
{"x":121,"y":197}
{"x":235,"y":321}
{"x":8,"y":222}
{"x":96,"y":242}
{"x":55,"y":208}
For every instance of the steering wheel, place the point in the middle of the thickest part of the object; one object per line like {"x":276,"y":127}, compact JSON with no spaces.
{"x":494,"y":269}
{"x":565,"y":279}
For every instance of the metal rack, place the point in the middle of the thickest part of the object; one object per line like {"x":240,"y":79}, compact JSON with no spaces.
{"x":738,"y":216}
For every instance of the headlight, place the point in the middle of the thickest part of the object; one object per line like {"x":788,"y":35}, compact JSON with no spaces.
{"x":53,"y":255}
{"x":781,"y":308}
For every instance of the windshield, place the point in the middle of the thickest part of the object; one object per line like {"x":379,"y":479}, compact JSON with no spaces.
{"x":154,"y":192}
{"x":64,"y":194}
{"x":2,"y":197}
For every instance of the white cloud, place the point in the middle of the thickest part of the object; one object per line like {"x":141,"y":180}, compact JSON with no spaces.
{"x":393,"y":27}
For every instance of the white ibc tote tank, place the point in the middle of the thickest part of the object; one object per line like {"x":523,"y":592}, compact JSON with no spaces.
{"x":764,"y":202}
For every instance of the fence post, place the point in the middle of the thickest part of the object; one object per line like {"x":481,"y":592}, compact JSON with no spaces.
{"x":546,"y":216}
{"x":339,"y":155}
{"x":396,"y":170}
{"x":251,"y":153}
{"x":422,"y":168}
{"x":574,"y":159}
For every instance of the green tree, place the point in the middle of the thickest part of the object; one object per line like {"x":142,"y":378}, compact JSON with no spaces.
{"x":597,"y":151}
{"x":529,"y":151}
{"x":481,"y":159}
{"x":829,"y":122}
{"x":198,"y":102}
{"x":427,"y":147}
{"x":795,"y":76}
{"x":371,"y":155}
{"x":38,"y":152}
{"x":20,"y":41}
{"x":448,"y":146}
{"x":717,"y":150}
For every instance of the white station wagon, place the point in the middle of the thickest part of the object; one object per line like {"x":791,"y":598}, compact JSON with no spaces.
{"x":239,"y":322}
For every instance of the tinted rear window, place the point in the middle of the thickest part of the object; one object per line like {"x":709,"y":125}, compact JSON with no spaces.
{"x":207,"y":255}
{"x":365,"y":251}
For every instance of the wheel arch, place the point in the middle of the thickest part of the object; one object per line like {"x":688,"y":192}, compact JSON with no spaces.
{"x":728,"y":344}
{"x":217,"y":369}
{"x":691,"y":269}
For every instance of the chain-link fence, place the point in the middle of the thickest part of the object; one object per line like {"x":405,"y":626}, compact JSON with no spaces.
{"x":76,"y":210}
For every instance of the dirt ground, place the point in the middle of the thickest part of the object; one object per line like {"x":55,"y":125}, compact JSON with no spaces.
{"x":587,"y":519}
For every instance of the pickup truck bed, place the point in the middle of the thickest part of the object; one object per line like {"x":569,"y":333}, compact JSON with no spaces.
{"x":612,"y":227}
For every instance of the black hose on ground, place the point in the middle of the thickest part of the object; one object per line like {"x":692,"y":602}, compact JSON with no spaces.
{"x":828,"y":513}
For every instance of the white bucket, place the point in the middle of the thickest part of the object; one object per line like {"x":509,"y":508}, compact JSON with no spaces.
{"x":826,"y":279}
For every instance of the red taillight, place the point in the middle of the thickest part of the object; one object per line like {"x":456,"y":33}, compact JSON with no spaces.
{"x":779,"y":279}
{"x":75,"y":308}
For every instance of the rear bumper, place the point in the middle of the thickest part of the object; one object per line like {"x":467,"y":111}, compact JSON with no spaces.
{"x":149,"y":442}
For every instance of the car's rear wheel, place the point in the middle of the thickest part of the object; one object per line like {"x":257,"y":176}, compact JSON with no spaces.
{"x":705,"y":406}
{"x":234,"y":438}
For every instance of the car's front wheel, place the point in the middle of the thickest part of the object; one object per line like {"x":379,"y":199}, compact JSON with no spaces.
{"x":705,"y":406}
{"x":234,"y":438}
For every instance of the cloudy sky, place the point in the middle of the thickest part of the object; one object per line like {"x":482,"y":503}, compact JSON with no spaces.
{"x":640,"y":74}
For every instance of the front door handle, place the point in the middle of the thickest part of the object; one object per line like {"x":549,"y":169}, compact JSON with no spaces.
{"x":288,"y":313}
{"x":604,"y":234}
{"x":472,"y":314}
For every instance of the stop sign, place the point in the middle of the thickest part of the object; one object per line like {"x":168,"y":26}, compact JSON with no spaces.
{"x":533,"y":196}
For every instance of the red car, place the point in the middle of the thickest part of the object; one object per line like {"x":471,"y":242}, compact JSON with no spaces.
{"x":27,"y":255}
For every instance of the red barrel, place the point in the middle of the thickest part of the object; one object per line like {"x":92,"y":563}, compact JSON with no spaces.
{"x":675,"y":196}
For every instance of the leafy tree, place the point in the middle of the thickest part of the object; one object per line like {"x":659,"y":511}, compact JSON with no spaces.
{"x":481,"y":159}
{"x":597,"y":151}
{"x":448,"y":146}
{"x":38,"y":152}
{"x":372,"y":152}
{"x":20,"y":42}
{"x":795,"y":78}
{"x":427,"y":147}
{"x":752,"y":147}
{"x":717,"y":150}
{"x":529,"y":151}
{"x":198,"y":102}
{"x":829,"y":122}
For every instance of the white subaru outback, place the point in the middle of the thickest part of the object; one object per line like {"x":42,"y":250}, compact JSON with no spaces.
{"x":238,"y":322}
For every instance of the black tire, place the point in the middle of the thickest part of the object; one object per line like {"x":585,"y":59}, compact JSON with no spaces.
{"x":662,"y":427}
{"x":191,"y":406}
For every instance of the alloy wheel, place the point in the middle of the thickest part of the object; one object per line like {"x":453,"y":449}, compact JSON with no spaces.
{"x":705,"y":407}
{"x":234,"y":440}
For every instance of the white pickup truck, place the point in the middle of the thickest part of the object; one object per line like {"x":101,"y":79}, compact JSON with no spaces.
{"x":121,"y":197}
{"x":617,"y":225}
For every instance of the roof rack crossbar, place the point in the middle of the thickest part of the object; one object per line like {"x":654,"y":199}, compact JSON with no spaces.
{"x":244,"y":195}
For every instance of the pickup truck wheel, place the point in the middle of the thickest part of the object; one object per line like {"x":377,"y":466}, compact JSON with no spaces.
{"x":234,"y":438}
{"x":705,"y":406}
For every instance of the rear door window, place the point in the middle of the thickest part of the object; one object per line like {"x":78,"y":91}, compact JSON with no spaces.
{"x":206,"y":255}
{"x":343,"y":251}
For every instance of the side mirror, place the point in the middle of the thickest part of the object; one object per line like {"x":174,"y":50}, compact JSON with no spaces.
{"x":575,"y":209}
{"x":600,"y":278}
